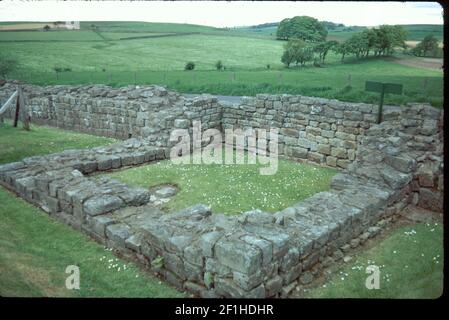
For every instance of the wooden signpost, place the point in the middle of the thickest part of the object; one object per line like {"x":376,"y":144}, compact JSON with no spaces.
{"x":382,"y":88}
{"x":21,"y":109}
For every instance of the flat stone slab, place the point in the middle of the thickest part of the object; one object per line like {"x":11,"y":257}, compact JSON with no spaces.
{"x":164,"y":191}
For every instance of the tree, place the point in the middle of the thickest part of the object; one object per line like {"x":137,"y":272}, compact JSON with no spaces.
{"x":297,"y":51}
{"x":389,"y":37}
{"x":342,"y":48}
{"x":219,"y":65}
{"x":47,"y":27}
{"x":322,"y":49}
{"x":189,"y":66}
{"x":303,"y":28}
{"x":7,"y":65}
{"x":427,"y":47}
{"x":358,"y":45}
{"x":287,"y":58}
{"x":304,"y":55}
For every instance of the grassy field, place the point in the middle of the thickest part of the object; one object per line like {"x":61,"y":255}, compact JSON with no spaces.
{"x":420,"y":85}
{"x":165,"y":53}
{"x":252,"y":63}
{"x":232,"y":189}
{"x":411,"y":267}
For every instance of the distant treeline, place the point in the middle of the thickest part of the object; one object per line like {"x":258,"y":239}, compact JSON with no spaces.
{"x":307,"y":41}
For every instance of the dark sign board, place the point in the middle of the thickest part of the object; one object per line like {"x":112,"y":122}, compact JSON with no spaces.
{"x":393,"y":88}
{"x":382,"y":88}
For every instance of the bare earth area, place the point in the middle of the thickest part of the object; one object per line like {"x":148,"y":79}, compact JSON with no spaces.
{"x":426,"y":63}
{"x":22,"y":26}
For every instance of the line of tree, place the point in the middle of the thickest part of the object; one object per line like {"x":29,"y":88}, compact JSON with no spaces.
{"x":377,"y":41}
{"x":307,"y":42}
{"x":299,"y":52}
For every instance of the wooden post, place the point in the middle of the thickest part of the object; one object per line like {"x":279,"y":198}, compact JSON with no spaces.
{"x":16,"y":115}
{"x":381,"y":104}
{"x":24,"y":111}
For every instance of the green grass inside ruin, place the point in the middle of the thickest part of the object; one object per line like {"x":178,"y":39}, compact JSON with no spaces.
{"x":233,"y":188}
{"x":410,"y":261}
{"x":16,"y":143}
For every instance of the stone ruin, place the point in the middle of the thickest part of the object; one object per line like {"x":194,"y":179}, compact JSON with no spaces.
{"x":384,"y":167}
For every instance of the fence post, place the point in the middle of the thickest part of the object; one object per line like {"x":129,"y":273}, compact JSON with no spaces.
{"x":16,"y":115}
{"x":24,"y":111}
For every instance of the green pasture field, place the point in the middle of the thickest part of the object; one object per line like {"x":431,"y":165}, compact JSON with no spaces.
{"x":60,"y":35}
{"x":420,"y":85}
{"x":252,"y":63}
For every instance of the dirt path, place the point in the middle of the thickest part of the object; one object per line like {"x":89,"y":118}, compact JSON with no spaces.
{"x":426,"y":63}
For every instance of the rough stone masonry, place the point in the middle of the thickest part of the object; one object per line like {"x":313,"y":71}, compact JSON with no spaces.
{"x":255,"y":254}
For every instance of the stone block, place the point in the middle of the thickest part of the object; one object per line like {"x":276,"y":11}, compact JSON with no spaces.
{"x":238,"y":256}
{"x":118,"y":233}
{"x":102,"y":204}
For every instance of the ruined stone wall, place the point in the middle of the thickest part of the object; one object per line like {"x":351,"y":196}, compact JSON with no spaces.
{"x":314,"y":129}
{"x":134,"y":111}
{"x":254,"y":254}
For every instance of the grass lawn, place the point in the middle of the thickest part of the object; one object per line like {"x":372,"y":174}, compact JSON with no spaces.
{"x":16,"y":143}
{"x":232,"y":189}
{"x":35,"y":251}
{"x":411,"y":267}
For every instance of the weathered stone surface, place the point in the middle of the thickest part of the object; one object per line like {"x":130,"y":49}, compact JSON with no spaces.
{"x":429,"y":199}
{"x":238,"y":256}
{"x":166,"y":192}
{"x":306,"y":278}
{"x":118,"y":233}
{"x":98,"y":224}
{"x":395,"y":179}
{"x":134,"y":243}
{"x":207,"y":242}
{"x":102,"y":204}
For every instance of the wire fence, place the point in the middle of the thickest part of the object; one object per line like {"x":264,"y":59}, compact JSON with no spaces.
{"x":349,"y":87}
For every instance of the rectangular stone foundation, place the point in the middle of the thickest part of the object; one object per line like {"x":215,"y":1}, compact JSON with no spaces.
{"x":255,"y":254}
